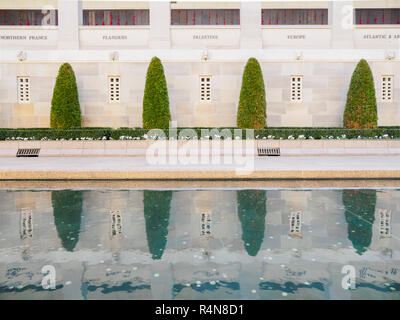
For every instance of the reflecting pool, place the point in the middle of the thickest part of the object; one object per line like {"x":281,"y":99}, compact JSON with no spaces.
{"x":200,"y":244}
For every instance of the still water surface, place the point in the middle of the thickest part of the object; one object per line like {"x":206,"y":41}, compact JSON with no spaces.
{"x":200,"y":244}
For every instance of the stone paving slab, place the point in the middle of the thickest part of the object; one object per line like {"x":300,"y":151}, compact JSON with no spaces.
{"x":139,"y":148}
{"x":99,"y":152}
{"x":295,"y":167}
{"x":197,"y":184}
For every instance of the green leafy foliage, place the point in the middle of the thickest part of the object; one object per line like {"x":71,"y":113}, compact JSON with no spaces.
{"x":131,"y":132}
{"x":156,"y":114}
{"x":252,"y":110}
{"x":140,"y":133}
{"x":65,"y":109}
{"x":361,"y":110}
{"x":360,"y":215}
{"x":47,"y":133}
{"x":157,"y":205}
{"x":252,"y":209}
{"x":67,"y":210}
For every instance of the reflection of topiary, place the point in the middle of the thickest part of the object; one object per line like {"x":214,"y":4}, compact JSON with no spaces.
{"x":156,"y":114}
{"x":157,"y":206}
{"x":67,"y":210}
{"x":65,"y":109}
{"x":361,"y":111}
{"x":252,"y":104}
{"x":360,"y":215}
{"x":252,"y":210}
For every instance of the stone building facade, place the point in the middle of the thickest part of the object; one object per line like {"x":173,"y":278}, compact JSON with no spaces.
{"x":93,"y":262}
{"x":307,"y":51}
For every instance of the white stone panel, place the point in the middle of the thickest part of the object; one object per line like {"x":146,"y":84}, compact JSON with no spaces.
{"x":24,"y":38}
{"x":298,"y":38}
{"x":114,"y":38}
{"x":199,"y":37}
{"x":383,"y":37}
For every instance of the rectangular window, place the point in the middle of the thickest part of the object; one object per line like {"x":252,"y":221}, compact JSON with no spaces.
{"x":377,"y":16}
{"x":296,"y":88}
{"x":295,"y":223}
{"x":116,"y":223}
{"x":28,"y":18}
{"x":384,"y":223}
{"x":205,"y":17}
{"x":26,"y":223}
{"x":205,"y":224}
{"x":387,"y":87}
{"x":205,"y":88}
{"x":116,"y":17}
{"x":24,"y":87}
{"x":113,"y":83}
{"x":294,"y":16}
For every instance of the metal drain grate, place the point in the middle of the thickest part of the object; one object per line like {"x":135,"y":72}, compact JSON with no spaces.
{"x":268,"y":152}
{"x":28,"y":152}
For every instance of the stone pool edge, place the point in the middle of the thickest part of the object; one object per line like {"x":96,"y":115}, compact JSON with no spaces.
{"x":199,"y":175}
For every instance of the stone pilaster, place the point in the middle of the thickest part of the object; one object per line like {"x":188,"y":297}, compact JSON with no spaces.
{"x":69,"y":19}
{"x":341,"y":18}
{"x":160,"y":18}
{"x":250,"y":25}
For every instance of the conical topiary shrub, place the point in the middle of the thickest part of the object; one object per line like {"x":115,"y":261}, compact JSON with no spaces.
{"x":65,"y":109}
{"x":361,"y":111}
{"x":157,"y":205}
{"x":67,"y":210}
{"x":252,"y":104}
{"x":359,"y":206}
{"x":156,"y":114}
{"x":252,"y":208}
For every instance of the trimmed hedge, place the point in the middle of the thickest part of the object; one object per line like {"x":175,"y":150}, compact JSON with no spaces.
{"x":65,"y":109}
{"x":54,"y":134}
{"x":361,"y":110}
{"x":116,"y":134}
{"x":279,"y":133}
{"x":156,"y":112}
{"x":252,"y":112}
{"x":140,"y":133}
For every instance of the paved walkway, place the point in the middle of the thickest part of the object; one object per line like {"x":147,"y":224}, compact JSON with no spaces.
{"x":294,"y":167}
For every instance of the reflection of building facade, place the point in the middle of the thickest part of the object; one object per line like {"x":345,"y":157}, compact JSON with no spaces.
{"x":205,"y":224}
{"x":307,"y":51}
{"x":384,"y":223}
{"x":184,"y":271}
{"x":26,"y":227}
{"x":295,"y":224}
{"x":116,"y":223}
